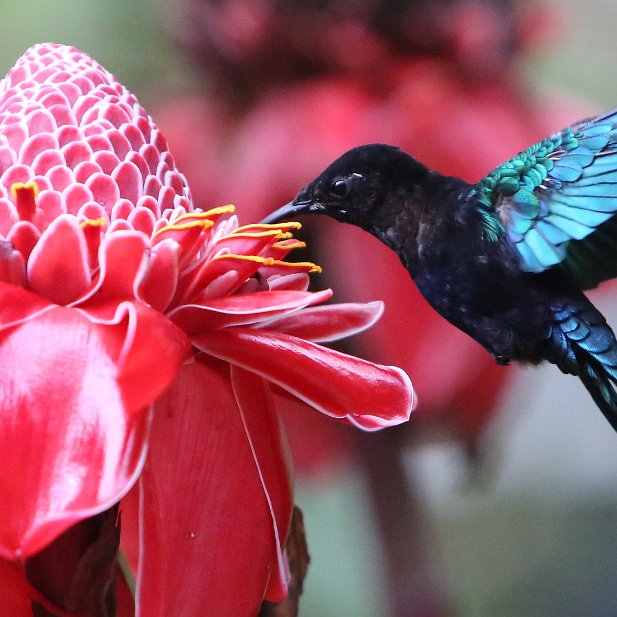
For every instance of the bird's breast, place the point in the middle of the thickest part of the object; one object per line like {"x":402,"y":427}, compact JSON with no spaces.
{"x":487,"y":299}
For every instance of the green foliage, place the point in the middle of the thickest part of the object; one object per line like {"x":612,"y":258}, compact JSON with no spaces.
{"x":130,"y":39}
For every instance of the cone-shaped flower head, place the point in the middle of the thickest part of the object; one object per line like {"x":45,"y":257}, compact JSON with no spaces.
{"x":123,"y":308}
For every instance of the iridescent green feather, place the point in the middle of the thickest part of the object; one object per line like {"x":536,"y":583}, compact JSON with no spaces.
{"x":517,"y":178}
{"x":556,"y":200}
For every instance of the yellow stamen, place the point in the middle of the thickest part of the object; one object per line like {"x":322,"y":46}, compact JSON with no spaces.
{"x":275,"y":233}
{"x":285,"y":244}
{"x":208,"y":213}
{"x":25,"y":199}
{"x":205,"y":224}
{"x":100,"y":222}
{"x":265,"y":261}
{"x":228,"y":209}
{"x":93,"y":229}
{"x":299,"y":264}
{"x":264,"y":226}
{"x":269,"y":261}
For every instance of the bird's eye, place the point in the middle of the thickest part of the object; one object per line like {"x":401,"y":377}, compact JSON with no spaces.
{"x":339,"y":188}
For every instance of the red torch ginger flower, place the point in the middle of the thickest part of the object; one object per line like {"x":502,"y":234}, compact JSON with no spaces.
{"x":138,"y":339}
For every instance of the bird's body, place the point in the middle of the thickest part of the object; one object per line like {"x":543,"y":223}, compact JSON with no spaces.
{"x":506,"y":259}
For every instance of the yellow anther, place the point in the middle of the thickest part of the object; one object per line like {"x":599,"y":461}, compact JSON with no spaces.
{"x":25,"y":195}
{"x":99,"y":222}
{"x":269,"y":262}
{"x":293,"y":244}
{"x":275,"y":233}
{"x":228,"y":209}
{"x":298,"y":264}
{"x":264,"y":261}
{"x":17,"y":187}
{"x":207,"y":214}
{"x":265,"y":226}
{"x":203,"y":224}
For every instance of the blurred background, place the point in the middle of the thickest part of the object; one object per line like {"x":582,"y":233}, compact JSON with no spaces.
{"x":500,"y":497}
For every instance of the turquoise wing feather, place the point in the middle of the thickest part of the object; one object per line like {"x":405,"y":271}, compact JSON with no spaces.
{"x":556,"y":202}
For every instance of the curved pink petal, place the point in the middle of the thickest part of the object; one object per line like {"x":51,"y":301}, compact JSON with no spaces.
{"x":271,"y":458}
{"x":203,"y":502}
{"x":58,"y":266}
{"x":23,"y":236}
{"x":12,"y":265}
{"x":123,"y":259}
{"x":243,"y":309}
{"x":149,"y":352}
{"x":298,"y":281}
{"x":321,"y":324}
{"x":368,"y":395}
{"x":18,"y":305}
{"x":159,"y":283}
{"x":73,"y":413}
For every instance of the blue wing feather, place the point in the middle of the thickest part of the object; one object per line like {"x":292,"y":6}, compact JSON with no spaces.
{"x":553,"y":199}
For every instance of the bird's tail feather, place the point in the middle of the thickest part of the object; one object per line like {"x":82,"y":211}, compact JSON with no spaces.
{"x":583,"y":344}
{"x":602,"y":389}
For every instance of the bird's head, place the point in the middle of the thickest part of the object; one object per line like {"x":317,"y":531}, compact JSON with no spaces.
{"x":358,"y":187}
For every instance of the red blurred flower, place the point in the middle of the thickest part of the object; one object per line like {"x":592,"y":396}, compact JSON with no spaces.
{"x":137,"y":339}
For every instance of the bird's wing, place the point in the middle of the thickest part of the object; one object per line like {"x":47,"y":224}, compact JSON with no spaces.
{"x":557,"y":201}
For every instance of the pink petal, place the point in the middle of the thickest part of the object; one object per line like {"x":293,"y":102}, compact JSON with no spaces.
{"x":35,"y":145}
{"x":50,"y":205}
{"x":7,"y":158}
{"x":215,"y":268}
{"x":41,"y":121}
{"x":299,"y":281}
{"x":19,"y":305}
{"x":150,"y":353}
{"x":369,"y":395}
{"x":129,"y":180}
{"x":104,"y":189}
{"x":75,"y":196}
{"x":119,"y":143}
{"x":243,"y":309}
{"x":60,"y":177}
{"x":106,"y":160}
{"x":321,"y":324}
{"x":88,"y":452}
{"x":76,"y":152}
{"x":46,"y":160}
{"x":16,"y":173}
{"x":24,"y":236}
{"x":207,"y":534}
{"x":271,"y":458}
{"x":12,"y":265}
{"x":73,"y":419}
{"x":58,"y":266}
{"x":122,"y":259}
{"x":142,"y":219}
{"x":159,"y":284}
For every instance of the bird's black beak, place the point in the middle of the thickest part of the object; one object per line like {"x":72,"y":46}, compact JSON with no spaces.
{"x":291,"y":210}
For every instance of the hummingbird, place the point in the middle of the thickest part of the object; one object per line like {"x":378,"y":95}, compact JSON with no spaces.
{"x":507,"y":259}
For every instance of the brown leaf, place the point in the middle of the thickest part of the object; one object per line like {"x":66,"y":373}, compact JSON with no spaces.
{"x":78,"y":570}
{"x":299,"y":559}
